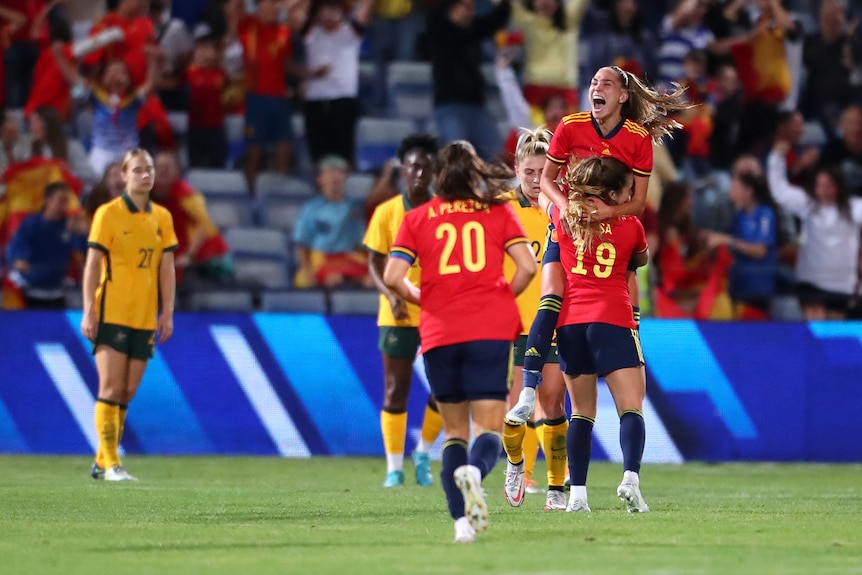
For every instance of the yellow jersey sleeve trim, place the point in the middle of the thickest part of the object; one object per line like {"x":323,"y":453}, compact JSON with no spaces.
{"x":640,"y":172}
{"x":518,"y":240}
{"x":555,"y":159}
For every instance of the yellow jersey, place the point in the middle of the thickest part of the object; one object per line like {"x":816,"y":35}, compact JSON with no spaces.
{"x":379,"y":237}
{"x":133,"y":242}
{"x":535,"y":223}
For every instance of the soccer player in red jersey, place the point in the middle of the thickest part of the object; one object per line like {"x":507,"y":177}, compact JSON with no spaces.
{"x":596,"y":333}
{"x":461,"y":237}
{"x":626,"y":116}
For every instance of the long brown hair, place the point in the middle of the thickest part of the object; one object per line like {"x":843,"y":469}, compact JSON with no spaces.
{"x":465,"y":176}
{"x":594,"y":176}
{"x":649,"y":108}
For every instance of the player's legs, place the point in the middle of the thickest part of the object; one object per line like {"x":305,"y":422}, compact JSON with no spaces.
{"x":398,"y":346}
{"x":541,"y":333}
{"x":432,"y":425}
{"x":551,"y":402}
{"x":627,"y":384}
{"x":576,"y":362}
{"x":112,"y":367}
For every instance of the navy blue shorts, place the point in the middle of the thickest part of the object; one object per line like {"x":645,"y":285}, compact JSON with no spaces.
{"x":599,"y":348}
{"x":267,"y":120}
{"x":469,"y":371}
{"x":552,"y":249}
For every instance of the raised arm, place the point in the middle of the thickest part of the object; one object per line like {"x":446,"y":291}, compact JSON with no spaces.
{"x":516,"y":106}
{"x":792,"y":198}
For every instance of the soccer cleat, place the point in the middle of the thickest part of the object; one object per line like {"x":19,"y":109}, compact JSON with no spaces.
{"x":469,"y":481}
{"x":578,"y":506}
{"x":532,"y":487}
{"x":119,"y":473}
{"x":464,"y":532}
{"x":394,"y":479}
{"x":422,"y":461}
{"x":556,"y":501}
{"x":634,"y":501}
{"x":513,"y":487}
{"x":523,"y":410}
{"x":97,"y":472}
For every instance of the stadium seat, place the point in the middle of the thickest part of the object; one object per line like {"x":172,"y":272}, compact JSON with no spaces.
{"x":409,"y":90}
{"x":257,"y":242}
{"x":354,"y":302}
{"x":230,"y":211}
{"x":813,"y":134}
{"x":268,"y":273}
{"x":217,"y":182}
{"x":358,"y":186}
{"x":307,"y":301}
{"x":273,"y":184}
{"x":377,"y":140}
{"x":233,"y":300}
{"x":281,"y":212}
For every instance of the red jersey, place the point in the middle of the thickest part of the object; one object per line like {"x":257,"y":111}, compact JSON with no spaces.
{"x":462,"y":244}
{"x":30,"y":9}
{"x":137,"y":34}
{"x":188,"y":209}
{"x":206,"y":86}
{"x":49,"y":86}
{"x":265,"y":49}
{"x":578,"y":136}
{"x":597,"y":290}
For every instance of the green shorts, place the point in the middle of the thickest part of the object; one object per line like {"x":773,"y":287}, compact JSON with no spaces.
{"x":521,"y":347}
{"x":399,"y":342}
{"x":136,"y":343}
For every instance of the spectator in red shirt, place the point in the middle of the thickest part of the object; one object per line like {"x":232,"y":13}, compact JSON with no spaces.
{"x":203,"y":254}
{"x":27,"y":18}
{"x":55,"y":73}
{"x":267,"y":54}
{"x":138,"y":33}
{"x":206,"y":81}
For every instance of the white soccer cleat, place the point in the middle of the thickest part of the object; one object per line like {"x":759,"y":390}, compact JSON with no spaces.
{"x":578,"y":506}
{"x":119,"y":473}
{"x":469,"y":481}
{"x":523,"y":410}
{"x":464,"y":532}
{"x":555,"y":501}
{"x":514,"y":485}
{"x":631,"y":495}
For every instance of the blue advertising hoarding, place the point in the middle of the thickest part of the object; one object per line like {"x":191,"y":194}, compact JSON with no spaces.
{"x":297,"y":385}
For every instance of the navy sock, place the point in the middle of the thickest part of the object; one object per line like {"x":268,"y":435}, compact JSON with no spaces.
{"x":539,"y":340}
{"x":579,"y":445}
{"x":454,"y":456}
{"x":484,"y":452}
{"x":632,"y":439}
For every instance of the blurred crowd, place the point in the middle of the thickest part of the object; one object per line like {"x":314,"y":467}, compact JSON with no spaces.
{"x":755,"y":205}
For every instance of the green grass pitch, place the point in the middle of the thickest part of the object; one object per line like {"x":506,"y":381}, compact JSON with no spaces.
{"x":331,"y":515}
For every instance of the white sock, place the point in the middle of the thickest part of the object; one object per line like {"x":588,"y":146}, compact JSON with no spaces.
{"x":423,"y":446}
{"x":578,"y":492}
{"x":631,"y":477}
{"x":394,"y":462}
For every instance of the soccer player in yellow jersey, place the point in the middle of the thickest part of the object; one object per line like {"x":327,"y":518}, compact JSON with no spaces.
{"x":129,"y":269}
{"x":399,"y":320}
{"x":530,"y":156}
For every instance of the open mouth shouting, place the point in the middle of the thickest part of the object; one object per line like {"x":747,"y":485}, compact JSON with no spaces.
{"x":598,"y":102}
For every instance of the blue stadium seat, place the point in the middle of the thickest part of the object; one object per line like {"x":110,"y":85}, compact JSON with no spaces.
{"x":281,"y":212}
{"x":354,"y":302}
{"x":269,"y":273}
{"x":230,"y":211}
{"x":257,"y":242}
{"x":409,"y":90}
{"x":358,"y":185}
{"x":377,"y":140}
{"x":217,"y":182}
{"x":273,"y":184}
{"x":227,"y":300}
{"x":305,"y":301}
